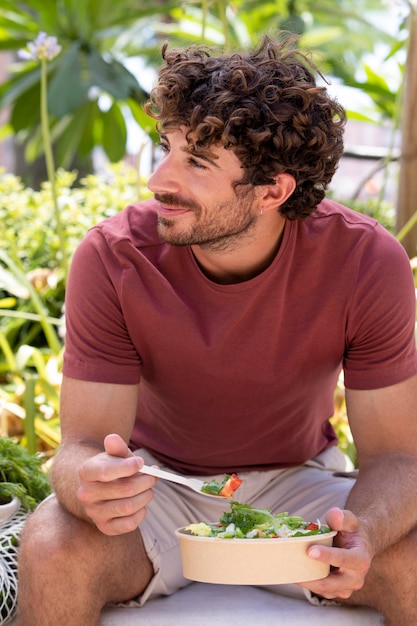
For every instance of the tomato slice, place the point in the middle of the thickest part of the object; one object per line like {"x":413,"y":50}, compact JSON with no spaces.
{"x":230,"y":486}
{"x":312,"y":526}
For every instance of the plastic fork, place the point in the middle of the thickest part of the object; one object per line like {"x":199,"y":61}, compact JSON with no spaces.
{"x":191,"y":483}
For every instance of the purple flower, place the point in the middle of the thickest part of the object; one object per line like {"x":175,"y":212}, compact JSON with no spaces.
{"x":44,"y":48}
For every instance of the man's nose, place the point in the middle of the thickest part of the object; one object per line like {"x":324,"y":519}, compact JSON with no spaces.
{"x":165,"y":178}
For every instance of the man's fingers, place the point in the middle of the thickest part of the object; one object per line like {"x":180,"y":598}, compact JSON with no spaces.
{"x":115,"y":446}
{"x":337,"y":557}
{"x":105,"y":467}
{"x":342,"y":520}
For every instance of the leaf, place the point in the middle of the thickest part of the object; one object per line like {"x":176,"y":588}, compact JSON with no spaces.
{"x":88,"y":139}
{"x":397,"y":46}
{"x":38,"y":305}
{"x":68,"y":143}
{"x":21,"y":473}
{"x":376,"y":79}
{"x":50,"y":392}
{"x":355,"y":115}
{"x":114,"y":133}
{"x":7,"y":353}
{"x":23,"y":356}
{"x":17,"y":86}
{"x":34,"y":145}
{"x":148,"y":124}
{"x":7,"y":303}
{"x":67,"y":90}
{"x":113,"y":78}
{"x":318,"y":36}
{"x":11,"y":284}
{"x":24,"y":114}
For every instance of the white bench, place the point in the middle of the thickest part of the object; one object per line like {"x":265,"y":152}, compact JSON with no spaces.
{"x":201,"y":604}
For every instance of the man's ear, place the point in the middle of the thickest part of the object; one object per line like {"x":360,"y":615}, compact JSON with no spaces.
{"x":273,"y":196}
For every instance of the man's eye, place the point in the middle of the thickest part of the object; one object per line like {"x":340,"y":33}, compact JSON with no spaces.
{"x":164,"y":147}
{"x":197,"y":164}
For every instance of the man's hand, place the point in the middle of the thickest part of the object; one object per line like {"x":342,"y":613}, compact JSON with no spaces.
{"x":349,"y":558}
{"x":113,"y":492}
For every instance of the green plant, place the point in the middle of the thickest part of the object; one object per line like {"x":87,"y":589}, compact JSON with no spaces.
{"x":44,"y":49}
{"x":97,"y":36}
{"x":21,"y":475}
{"x":102,"y":40}
{"x":32,"y":285}
{"x":32,"y":290}
{"x":383,"y":212}
{"x":340,"y":424}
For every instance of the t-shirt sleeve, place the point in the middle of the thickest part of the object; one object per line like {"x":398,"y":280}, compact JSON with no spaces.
{"x":381,"y":344}
{"x":97,"y":343}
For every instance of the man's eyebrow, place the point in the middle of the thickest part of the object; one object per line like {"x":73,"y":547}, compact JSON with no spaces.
{"x":203,"y":155}
{"x":200,"y":153}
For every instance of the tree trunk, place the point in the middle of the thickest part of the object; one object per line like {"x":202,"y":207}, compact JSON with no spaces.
{"x":407,"y":189}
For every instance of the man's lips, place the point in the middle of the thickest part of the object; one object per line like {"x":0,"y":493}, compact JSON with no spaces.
{"x":165,"y":211}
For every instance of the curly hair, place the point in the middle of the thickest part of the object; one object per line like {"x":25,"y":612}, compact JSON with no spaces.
{"x":264,"y":105}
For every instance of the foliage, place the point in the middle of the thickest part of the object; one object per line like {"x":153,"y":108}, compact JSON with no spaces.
{"x":340,"y":37}
{"x":95,"y":83}
{"x":31,"y":266}
{"x":340,"y":424}
{"x":92,"y":35}
{"x":44,"y":49}
{"x":21,"y":475}
{"x":32,"y":289}
{"x":383,"y":211}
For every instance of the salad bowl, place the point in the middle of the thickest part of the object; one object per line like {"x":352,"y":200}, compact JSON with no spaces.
{"x":251,"y":561}
{"x":252,"y":546}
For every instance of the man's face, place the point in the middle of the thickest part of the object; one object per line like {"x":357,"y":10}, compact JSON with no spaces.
{"x":197,"y":202}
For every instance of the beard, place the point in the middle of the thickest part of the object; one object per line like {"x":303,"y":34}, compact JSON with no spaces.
{"x":223,"y":226}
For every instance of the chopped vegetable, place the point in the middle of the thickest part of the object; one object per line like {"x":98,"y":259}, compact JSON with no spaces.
{"x":246,"y":522}
{"x":230,"y":486}
{"x":226,"y":488}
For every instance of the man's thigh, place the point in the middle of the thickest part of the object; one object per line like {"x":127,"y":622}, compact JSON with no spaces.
{"x":65,"y":552}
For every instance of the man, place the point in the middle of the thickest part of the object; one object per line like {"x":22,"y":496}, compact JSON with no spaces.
{"x":206,"y":329}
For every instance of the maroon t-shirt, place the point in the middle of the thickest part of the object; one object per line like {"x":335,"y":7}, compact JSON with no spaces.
{"x":240,"y":377}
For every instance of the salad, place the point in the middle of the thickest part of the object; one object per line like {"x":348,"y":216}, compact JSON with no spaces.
{"x":230,"y":483}
{"x":246,"y":522}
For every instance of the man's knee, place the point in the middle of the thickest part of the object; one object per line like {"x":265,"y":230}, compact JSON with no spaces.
{"x":55,"y":543}
{"x":47,"y":534}
{"x":387,"y":589}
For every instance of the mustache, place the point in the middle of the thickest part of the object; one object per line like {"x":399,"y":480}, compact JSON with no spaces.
{"x":170,"y":199}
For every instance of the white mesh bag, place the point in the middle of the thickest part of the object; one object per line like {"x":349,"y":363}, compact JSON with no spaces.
{"x":9,"y":540}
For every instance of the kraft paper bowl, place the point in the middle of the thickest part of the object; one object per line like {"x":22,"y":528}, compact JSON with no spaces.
{"x":251,"y":561}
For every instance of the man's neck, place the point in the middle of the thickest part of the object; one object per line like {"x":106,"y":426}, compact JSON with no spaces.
{"x":238,"y":263}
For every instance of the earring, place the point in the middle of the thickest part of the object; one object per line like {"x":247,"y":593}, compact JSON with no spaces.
{"x":261,"y":212}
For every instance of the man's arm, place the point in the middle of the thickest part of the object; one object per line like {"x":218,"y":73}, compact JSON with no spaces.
{"x":380,"y":508}
{"x":384,"y":428}
{"x":94,"y":475}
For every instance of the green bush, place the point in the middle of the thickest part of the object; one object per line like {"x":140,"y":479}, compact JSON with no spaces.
{"x":31,"y":256}
{"x":21,"y":475}
{"x":382,"y":211}
{"x":32,"y":282}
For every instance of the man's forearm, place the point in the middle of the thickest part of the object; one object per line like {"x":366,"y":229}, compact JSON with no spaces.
{"x":383,"y":499}
{"x":65,"y":475}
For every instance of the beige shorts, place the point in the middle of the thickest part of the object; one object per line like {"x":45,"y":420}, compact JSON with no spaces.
{"x":309,"y":490}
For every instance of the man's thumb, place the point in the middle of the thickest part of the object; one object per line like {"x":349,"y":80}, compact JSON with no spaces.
{"x":115,"y":446}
